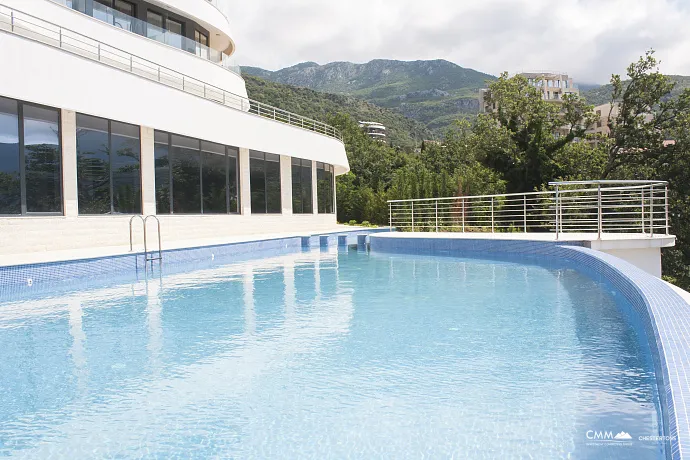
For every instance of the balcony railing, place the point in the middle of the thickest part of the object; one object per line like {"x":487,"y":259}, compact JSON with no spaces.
{"x":593,"y":207}
{"x":31,"y":27}
{"x":131,"y":24}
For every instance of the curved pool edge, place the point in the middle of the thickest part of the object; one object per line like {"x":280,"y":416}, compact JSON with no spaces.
{"x":663,"y":312}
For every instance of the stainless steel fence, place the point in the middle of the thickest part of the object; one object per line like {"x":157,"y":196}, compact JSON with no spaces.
{"x":571,"y":207}
{"x":31,"y":27}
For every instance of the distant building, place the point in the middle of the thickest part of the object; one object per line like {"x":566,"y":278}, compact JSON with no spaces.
{"x":604,"y":112}
{"x":374,"y":130}
{"x":552,"y":85}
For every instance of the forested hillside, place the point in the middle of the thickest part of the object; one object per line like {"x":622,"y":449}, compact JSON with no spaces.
{"x":602,"y":94}
{"x":435,"y":93}
{"x":403,"y":132}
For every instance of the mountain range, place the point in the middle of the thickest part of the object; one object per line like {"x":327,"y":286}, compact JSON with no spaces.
{"x":435,"y":93}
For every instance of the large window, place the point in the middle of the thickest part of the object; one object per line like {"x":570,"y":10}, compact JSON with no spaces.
{"x":30,"y":156}
{"x":302,"y":202}
{"x":195,"y":177}
{"x":264,"y":180}
{"x":325,"y":188}
{"x":108,"y":166}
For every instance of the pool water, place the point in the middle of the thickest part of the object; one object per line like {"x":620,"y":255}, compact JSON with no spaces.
{"x":323,"y":355}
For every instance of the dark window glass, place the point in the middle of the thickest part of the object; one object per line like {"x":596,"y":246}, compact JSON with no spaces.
{"x":125,"y":159}
{"x":273,"y":198}
{"x":233,"y":180}
{"x":125,"y":7}
{"x":325,"y":188}
{"x":186,"y":167}
{"x":10,"y":177}
{"x":301,"y":186}
{"x":214,"y":178}
{"x":257,"y":182}
{"x":202,"y":44}
{"x":93,"y":165}
{"x":162,"y":164}
{"x":174,"y":26}
{"x":154,"y":18}
{"x":108,"y":166}
{"x":42,"y":160}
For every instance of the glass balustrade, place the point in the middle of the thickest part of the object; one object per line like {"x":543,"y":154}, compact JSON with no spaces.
{"x":137,"y":26}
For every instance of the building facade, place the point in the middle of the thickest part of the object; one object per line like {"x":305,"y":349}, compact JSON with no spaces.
{"x":374,"y":130}
{"x":111,"y":109}
{"x":552,"y":85}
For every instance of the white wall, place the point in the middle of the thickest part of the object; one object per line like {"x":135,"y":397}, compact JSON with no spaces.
{"x":158,"y":53}
{"x":42,"y":74}
{"x":647,"y":259}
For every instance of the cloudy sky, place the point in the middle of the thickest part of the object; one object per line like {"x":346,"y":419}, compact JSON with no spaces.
{"x":590,"y":39}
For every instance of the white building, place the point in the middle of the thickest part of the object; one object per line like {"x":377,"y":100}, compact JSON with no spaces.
{"x":374,"y":130}
{"x":115,"y":108}
{"x":552,"y":86}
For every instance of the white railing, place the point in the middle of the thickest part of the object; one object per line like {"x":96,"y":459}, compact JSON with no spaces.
{"x":31,"y":27}
{"x":571,"y":207}
{"x":134,"y":25}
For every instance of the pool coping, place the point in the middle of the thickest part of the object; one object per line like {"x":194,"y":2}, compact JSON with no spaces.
{"x":665,"y":315}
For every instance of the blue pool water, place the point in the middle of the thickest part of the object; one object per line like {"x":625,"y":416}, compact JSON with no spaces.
{"x":323,"y":355}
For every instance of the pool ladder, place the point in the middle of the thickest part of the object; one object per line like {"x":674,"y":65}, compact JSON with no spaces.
{"x":149,"y":257}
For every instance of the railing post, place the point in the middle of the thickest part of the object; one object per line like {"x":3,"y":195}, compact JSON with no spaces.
{"x":223,"y":97}
{"x":60,"y":37}
{"x":668,"y":226}
{"x":99,"y":51}
{"x":159,"y":74}
{"x":412,"y":216}
{"x":182,"y":82}
{"x":12,"y":20}
{"x":600,"y":221}
{"x":463,"y":214}
{"x":492,"y":214}
{"x":390,"y":216}
{"x":558,"y":201}
{"x":642,"y":205}
{"x":131,"y":63}
{"x":436,"y":216}
{"x":651,"y":212}
{"x":204,"y":91}
{"x":524,"y":211}
{"x":274,"y":113}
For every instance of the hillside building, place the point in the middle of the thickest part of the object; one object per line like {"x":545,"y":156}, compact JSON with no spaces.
{"x":374,"y":130}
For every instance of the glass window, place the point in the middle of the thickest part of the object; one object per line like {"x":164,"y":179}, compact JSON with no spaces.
{"x":301,"y":186}
{"x":125,"y":160}
{"x":93,"y":165}
{"x":175,"y":27}
{"x":214,"y":178}
{"x":264,"y":182}
{"x":325,"y":188}
{"x":202,"y":44}
{"x":42,"y":157}
{"x":162,"y":165}
{"x":125,"y":7}
{"x":201,"y":177}
{"x":186,"y":175}
{"x":10,"y":176}
{"x":155,"y":26}
{"x":233,"y":179}
{"x":108,"y":166}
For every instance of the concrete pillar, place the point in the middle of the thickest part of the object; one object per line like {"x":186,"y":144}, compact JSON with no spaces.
{"x":70,"y":194}
{"x":286,"y":183}
{"x":148,"y":172}
{"x":314,"y":191}
{"x":245,"y":189}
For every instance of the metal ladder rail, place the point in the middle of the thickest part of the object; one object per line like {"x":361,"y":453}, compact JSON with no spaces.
{"x":144,"y":221}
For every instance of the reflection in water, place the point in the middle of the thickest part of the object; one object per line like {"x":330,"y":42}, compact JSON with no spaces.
{"x":326,"y":354}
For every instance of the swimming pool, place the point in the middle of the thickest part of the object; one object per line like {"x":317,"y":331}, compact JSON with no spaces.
{"x":331,"y":354}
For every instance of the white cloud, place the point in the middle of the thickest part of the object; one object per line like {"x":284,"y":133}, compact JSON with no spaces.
{"x":590,"y":39}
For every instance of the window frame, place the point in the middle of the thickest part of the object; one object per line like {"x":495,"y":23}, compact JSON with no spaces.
{"x":171,"y":183}
{"x":329,"y":168}
{"x":22,"y":161}
{"x":301,"y":165}
{"x":253,"y":154}
{"x":111,"y":172}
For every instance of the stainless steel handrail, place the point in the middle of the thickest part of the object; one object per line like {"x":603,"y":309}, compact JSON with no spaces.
{"x":603,"y":207}
{"x":16,"y":22}
{"x":144,"y":221}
